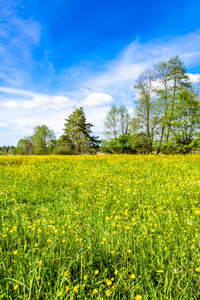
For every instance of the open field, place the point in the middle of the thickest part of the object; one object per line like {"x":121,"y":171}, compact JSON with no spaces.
{"x":100,"y":227}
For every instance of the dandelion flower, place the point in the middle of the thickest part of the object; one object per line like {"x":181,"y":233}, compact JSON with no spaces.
{"x":95,"y":291}
{"x":198,"y":269}
{"x":138,"y":297}
{"x":108,"y":282}
{"x":108,"y":293}
{"x":67,"y":288}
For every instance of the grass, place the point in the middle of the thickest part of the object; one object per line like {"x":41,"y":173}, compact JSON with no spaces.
{"x":100,"y":227}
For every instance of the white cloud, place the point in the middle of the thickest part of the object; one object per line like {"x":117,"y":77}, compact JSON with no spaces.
{"x":61,"y":102}
{"x":10,"y":104}
{"x":34,"y":101}
{"x":194,"y":78}
{"x":97,"y":99}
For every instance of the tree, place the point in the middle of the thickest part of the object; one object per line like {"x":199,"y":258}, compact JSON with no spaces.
{"x":147,"y":117}
{"x":121,"y":144}
{"x":77,"y":133}
{"x":178,"y":79}
{"x":186,"y":121}
{"x":43,"y":140}
{"x":124,"y":119}
{"x":163,"y":93}
{"x":25,"y":146}
{"x":158,"y":101}
{"x":63,"y":146}
{"x":111,"y":123}
{"x":117,"y":121}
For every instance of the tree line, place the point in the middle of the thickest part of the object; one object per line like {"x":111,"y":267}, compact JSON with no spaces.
{"x":167,"y":114}
{"x":166,"y":120}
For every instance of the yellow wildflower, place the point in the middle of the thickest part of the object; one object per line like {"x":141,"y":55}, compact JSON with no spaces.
{"x":198,"y":269}
{"x":108,"y":293}
{"x":108,"y":282}
{"x":76,"y":288}
{"x":67,"y":288}
{"x":138,"y":297}
{"x":95,"y":291}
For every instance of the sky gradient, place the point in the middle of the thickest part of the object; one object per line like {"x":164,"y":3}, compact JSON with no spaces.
{"x":58,"y":55}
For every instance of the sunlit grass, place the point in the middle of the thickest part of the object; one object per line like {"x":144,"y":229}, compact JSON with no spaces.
{"x":100,"y":227}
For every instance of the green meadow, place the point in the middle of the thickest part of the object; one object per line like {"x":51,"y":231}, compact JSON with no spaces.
{"x":100,"y":227}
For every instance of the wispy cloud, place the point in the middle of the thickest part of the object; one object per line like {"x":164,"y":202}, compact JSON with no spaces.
{"x":122,"y":72}
{"x":17,"y":36}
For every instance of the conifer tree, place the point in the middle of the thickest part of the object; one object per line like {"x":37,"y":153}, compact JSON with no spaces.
{"x":78,"y":133}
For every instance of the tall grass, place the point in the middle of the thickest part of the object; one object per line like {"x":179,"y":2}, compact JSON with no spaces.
{"x":108,"y":227}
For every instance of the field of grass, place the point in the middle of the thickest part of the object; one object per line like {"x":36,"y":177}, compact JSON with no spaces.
{"x":100,"y":227}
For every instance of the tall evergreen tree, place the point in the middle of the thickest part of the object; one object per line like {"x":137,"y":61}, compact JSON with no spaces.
{"x":78,"y":133}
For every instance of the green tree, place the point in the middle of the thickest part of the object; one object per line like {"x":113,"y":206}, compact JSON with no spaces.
{"x":163,"y":93}
{"x":147,"y":118}
{"x":111,"y":123}
{"x":117,"y":121}
{"x":25,"y":146}
{"x":178,"y":79}
{"x":124,"y":119}
{"x":121,"y":144}
{"x":63,"y":146}
{"x":157,"y":104}
{"x":78,"y":135}
{"x":186,"y":121}
{"x":43,"y":140}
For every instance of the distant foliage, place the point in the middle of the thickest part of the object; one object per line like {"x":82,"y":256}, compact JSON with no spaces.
{"x":5,"y":150}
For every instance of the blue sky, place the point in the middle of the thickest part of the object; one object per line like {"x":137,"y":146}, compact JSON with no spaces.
{"x":59,"y":55}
